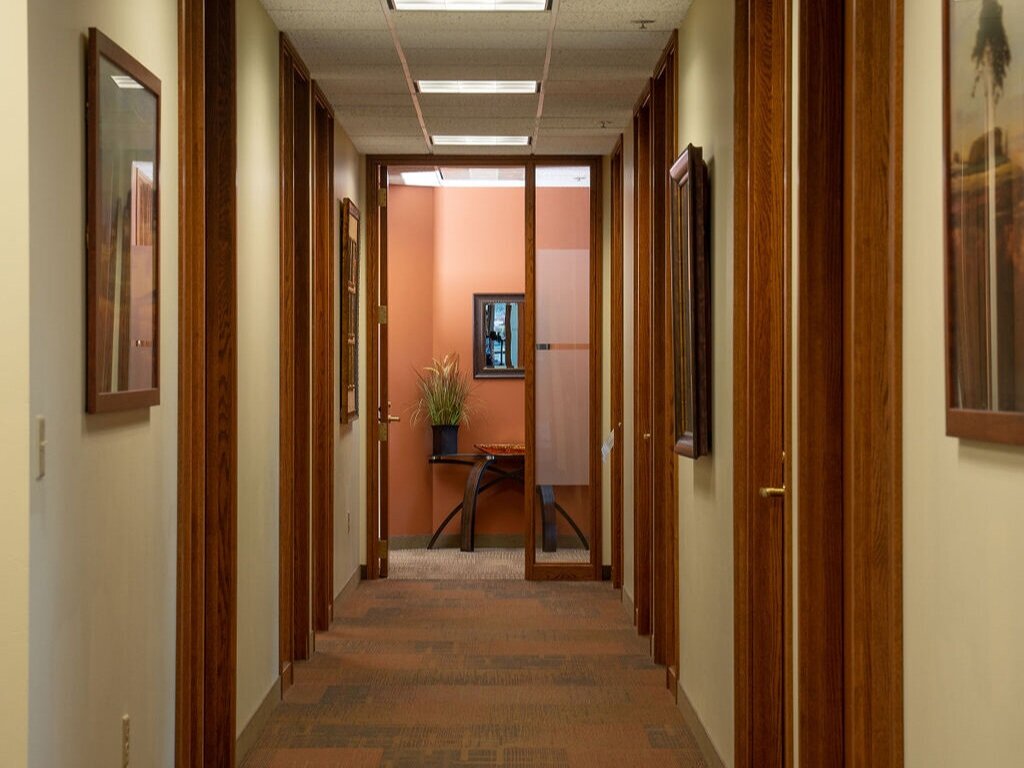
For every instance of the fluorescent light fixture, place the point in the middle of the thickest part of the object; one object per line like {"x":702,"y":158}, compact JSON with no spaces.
{"x":470,"y":5}
{"x":563,"y":177}
{"x":124,"y":81}
{"x":481,"y":141}
{"x":477,"y":86}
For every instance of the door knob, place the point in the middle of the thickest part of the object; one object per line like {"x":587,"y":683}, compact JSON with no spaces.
{"x":770,"y":493}
{"x":647,"y":435}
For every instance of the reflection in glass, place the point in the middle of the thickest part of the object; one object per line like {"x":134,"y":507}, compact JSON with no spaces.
{"x":126,"y":253}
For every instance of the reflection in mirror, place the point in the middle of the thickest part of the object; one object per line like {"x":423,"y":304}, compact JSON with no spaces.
{"x":497,"y":335}
{"x":123,"y":174}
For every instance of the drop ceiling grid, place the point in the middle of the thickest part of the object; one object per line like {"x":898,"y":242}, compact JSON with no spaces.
{"x":600,"y":62}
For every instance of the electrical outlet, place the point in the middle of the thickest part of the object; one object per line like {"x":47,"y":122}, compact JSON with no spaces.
{"x":126,"y":741}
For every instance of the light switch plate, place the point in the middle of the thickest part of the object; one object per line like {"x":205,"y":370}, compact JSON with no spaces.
{"x":40,"y":435}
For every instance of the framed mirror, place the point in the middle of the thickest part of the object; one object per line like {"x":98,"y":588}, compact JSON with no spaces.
{"x":122,"y":117}
{"x":984,"y":222}
{"x":349,"y":312}
{"x":690,"y":277}
{"x":498,"y":336}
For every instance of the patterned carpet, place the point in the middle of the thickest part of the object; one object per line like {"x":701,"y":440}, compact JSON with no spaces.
{"x":453,"y":564}
{"x":482,"y":673}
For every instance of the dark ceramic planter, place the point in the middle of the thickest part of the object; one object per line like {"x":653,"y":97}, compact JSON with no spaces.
{"x":446,"y":439}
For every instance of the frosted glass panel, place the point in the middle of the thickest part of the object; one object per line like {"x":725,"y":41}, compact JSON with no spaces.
{"x":563,"y":365}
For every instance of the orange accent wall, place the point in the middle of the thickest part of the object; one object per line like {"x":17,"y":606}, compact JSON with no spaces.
{"x":410,"y":344}
{"x":444,"y":245}
{"x":480,"y":247}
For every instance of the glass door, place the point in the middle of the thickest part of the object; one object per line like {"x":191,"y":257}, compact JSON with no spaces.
{"x":566,"y":372}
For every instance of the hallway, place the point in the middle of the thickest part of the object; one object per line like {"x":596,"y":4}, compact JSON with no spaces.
{"x":478,"y":673}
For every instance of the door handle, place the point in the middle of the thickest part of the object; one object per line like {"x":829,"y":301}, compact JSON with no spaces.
{"x":647,"y":435}
{"x":771,"y":493}
{"x":393,"y":419}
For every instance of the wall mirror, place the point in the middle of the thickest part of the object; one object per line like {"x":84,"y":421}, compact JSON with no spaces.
{"x":498,"y":336}
{"x":349,"y":312}
{"x":691,"y":303}
{"x":984,"y":227}
{"x":122,"y":229}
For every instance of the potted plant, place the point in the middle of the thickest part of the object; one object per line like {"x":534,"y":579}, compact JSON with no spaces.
{"x":444,"y":395}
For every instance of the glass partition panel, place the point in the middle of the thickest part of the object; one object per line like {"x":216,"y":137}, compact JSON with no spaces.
{"x":563,"y":363}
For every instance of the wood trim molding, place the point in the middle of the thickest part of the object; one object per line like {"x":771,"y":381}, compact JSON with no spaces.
{"x":700,"y":734}
{"x":819,"y":456}
{"x":323,"y":416}
{"x":872,"y":355}
{"x":760,"y":411}
{"x":617,"y":361}
{"x":643,"y":407}
{"x":207,"y":419}
{"x":376,"y":238}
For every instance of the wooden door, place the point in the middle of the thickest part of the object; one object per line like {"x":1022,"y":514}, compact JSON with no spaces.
{"x":617,"y":364}
{"x":760,"y":500}
{"x":643,"y":353}
{"x":377,"y":373}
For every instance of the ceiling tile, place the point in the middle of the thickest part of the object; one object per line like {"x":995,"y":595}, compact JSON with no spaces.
{"x":468,"y":106}
{"x":455,"y":39}
{"x":390,"y":145}
{"x":480,"y":126}
{"x":472,"y":60}
{"x":328,"y":19}
{"x":380,"y":126}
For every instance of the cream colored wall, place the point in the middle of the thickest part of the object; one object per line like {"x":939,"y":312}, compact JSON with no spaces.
{"x":963,"y":514}
{"x":705,"y":486}
{"x":628,"y":342}
{"x":104,"y":520}
{"x":350,"y":439}
{"x":258,"y":357}
{"x":14,"y":384}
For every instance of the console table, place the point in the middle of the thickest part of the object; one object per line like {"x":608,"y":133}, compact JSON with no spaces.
{"x":506,"y":462}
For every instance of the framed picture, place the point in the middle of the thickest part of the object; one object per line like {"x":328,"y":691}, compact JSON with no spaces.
{"x":122,"y":202}
{"x":498,"y":336}
{"x":349,"y":312}
{"x":690,"y":276}
{"x":984,"y":211}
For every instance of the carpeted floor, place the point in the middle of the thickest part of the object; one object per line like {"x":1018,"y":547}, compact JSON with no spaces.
{"x":453,"y":564}
{"x":481,"y":673}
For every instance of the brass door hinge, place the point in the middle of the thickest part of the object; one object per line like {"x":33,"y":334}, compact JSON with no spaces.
{"x":382,"y":432}
{"x":382,"y":198}
{"x":382,"y":549}
{"x":382,"y":315}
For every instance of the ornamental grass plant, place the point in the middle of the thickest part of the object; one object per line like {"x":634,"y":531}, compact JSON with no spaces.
{"x":444,"y":393}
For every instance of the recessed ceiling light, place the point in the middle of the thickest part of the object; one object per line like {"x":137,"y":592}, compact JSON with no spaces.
{"x":477,"y":86}
{"x":124,"y":81}
{"x":481,"y":141}
{"x":470,"y":5}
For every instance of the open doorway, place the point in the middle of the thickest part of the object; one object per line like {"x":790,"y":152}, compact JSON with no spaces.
{"x":471,"y":261}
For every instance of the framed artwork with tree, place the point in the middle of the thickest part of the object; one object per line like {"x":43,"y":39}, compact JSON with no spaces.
{"x":984,"y":219}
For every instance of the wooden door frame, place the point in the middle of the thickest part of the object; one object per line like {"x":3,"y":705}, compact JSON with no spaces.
{"x":762,"y":168}
{"x":665,"y":608}
{"x":376,"y":295}
{"x":295,"y":623}
{"x":616,"y":181}
{"x":849,"y":384}
{"x":323,"y":416}
{"x":643,"y":406}
{"x":207,"y":386}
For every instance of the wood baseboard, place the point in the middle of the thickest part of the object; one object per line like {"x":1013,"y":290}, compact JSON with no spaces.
{"x":353,"y":581}
{"x":627,"y":603}
{"x":247,"y":739}
{"x":707,"y":747}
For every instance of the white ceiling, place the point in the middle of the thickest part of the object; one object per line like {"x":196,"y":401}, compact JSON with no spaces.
{"x":599,"y":63}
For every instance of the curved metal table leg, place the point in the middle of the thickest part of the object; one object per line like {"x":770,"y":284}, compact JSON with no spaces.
{"x":469,"y":502}
{"x":549,"y":518}
{"x":572,"y":522}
